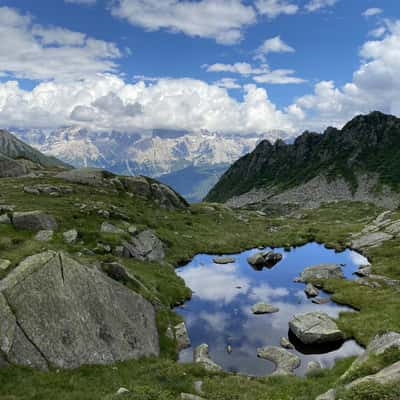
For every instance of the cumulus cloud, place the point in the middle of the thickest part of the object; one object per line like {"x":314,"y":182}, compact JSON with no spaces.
{"x":370,"y":12}
{"x":107,"y":102}
{"x":273,"y":45}
{"x":315,"y":5}
{"x":279,"y":77}
{"x":241,"y":68}
{"x":375,"y":85}
{"x":222,"y":20}
{"x":274,"y":8}
{"x":36,"y":52}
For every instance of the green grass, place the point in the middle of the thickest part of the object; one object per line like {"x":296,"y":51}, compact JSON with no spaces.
{"x":205,"y":228}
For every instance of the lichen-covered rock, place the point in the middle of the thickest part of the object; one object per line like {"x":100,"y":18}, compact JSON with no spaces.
{"x":201,"y":356}
{"x":315,"y":328}
{"x":145,"y":246}
{"x":57,"y":312}
{"x":322,"y":271}
{"x":263,"y":308}
{"x":285,"y":361}
{"x":34,"y":221}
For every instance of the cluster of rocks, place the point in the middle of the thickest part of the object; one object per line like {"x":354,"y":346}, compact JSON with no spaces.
{"x":51,"y":190}
{"x":264,"y":259}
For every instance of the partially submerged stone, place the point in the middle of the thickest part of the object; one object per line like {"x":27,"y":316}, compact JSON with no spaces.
{"x":321,"y":271}
{"x":315,"y":328}
{"x":72,"y":314}
{"x":263,"y":308}
{"x":201,"y":356}
{"x":263,"y":259}
{"x":285,"y":343}
{"x":34,"y":221}
{"x":223,"y":260}
{"x":311,"y":291}
{"x":285,"y":361}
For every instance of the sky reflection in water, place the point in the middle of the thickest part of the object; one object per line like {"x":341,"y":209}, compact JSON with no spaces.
{"x":219,"y":312}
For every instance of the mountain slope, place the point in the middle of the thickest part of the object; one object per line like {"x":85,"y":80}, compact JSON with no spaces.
{"x":367,"y":146}
{"x":15,"y":149}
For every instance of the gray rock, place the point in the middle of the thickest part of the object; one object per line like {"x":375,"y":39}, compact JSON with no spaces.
{"x":223,"y":260}
{"x":377,"y":346}
{"x":371,"y":240}
{"x":264,"y":259}
{"x":145,"y":246}
{"x":132,"y":229}
{"x":12,"y":169}
{"x":201,"y":356}
{"x":31,"y":190}
{"x":5,"y":219}
{"x":393,"y":229}
{"x":329,"y":395}
{"x":263,"y":308}
{"x":182,"y":336}
{"x":72,"y":315}
{"x":313,"y":365}
{"x":322,"y":271}
{"x":388,"y":375}
{"x":122,"y":391}
{"x":70,"y":236}
{"x":311,"y":291}
{"x":4,"y":264}
{"x":34,"y":220}
{"x":364,"y":271}
{"x":86,"y":176}
{"x":321,"y":300}
{"x":284,"y":361}
{"x":285,"y":343}
{"x":106,"y":227}
{"x":315,"y":328}
{"x":44,"y":236}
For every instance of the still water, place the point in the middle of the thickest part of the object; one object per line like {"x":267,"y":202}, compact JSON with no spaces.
{"x":219,"y":312}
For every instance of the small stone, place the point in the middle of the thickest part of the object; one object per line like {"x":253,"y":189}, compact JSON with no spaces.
{"x":31,"y":190}
{"x":122,"y":391}
{"x":321,"y":300}
{"x":44,"y":236}
{"x":313,"y":365}
{"x":4,"y":264}
{"x":223,"y":260}
{"x":70,"y":236}
{"x":311,"y":291}
{"x":132,"y":229}
{"x":229,"y":349}
{"x":106,"y":227}
{"x":263,"y":308}
{"x":5,"y":219}
{"x":285,"y":343}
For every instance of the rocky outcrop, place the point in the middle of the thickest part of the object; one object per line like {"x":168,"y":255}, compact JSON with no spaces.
{"x":11,"y":169}
{"x":263,"y":308}
{"x":371,"y":240}
{"x":386,"y":376}
{"x":322,"y":271}
{"x":315,"y":328}
{"x":34,"y":221}
{"x":145,"y":246}
{"x":201,"y":356}
{"x":57,"y":312}
{"x":107,"y":227}
{"x":182,"y":336}
{"x":263,"y":259}
{"x":285,"y":361}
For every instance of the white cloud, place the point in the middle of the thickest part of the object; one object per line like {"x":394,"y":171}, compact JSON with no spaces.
{"x":377,"y":32}
{"x":315,"y":5}
{"x":273,"y":45}
{"x":222,"y":20}
{"x":274,"y":8}
{"x":106,"y":102}
{"x":87,"y":2}
{"x":37,"y":52}
{"x":370,"y":12}
{"x":241,"y":68}
{"x":375,"y":85}
{"x":228,"y":83}
{"x":279,"y":77}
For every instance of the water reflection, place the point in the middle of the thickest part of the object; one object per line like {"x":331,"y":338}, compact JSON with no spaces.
{"x":219,"y":313}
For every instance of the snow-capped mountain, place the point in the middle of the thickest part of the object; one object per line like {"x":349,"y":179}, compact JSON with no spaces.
{"x":158,"y":153}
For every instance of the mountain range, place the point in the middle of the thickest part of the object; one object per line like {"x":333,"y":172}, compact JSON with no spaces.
{"x":190,"y":162}
{"x":359,"y":162}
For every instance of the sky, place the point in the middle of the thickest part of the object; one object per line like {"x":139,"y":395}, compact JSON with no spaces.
{"x":227,"y":66}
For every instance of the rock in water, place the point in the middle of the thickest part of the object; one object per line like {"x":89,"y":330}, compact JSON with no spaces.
{"x":315,"y":328}
{"x":223,"y":260}
{"x":322,"y":271}
{"x":285,"y":361}
{"x":311,"y":291}
{"x":285,"y":343}
{"x":263,"y":308}
{"x":34,"y":221}
{"x":145,"y":246}
{"x":263,"y":259}
{"x":57,"y":312}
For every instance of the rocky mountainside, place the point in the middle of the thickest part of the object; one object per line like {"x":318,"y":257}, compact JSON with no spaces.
{"x":176,"y":155}
{"x":359,"y":162}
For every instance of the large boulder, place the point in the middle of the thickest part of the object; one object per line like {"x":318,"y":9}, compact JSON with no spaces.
{"x":86,"y":176}
{"x":285,"y":361}
{"x":315,"y":328}
{"x":34,"y":221}
{"x":145,"y":246}
{"x":55,"y":312}
{"x":322,"y":271}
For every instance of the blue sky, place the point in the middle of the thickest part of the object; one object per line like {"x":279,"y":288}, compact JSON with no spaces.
{"x":216,"y":44}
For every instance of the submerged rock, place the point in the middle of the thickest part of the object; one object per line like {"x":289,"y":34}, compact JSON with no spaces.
{"x":56,"y":312}
{"x":263,"y":259}
{"x":202,"y":357}
{"x":34,"y":221}
{"x":145,"y":246}
{"x":223,"y":260}
{"x":285,"y":361}
{"x":315,"y":328}
{"x":263,"y":308}
{"x":322,"y":271}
